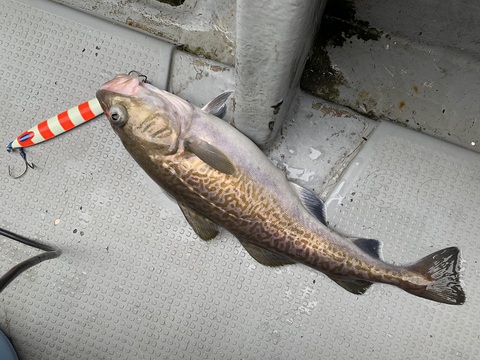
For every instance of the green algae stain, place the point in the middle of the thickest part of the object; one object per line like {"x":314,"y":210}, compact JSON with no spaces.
{"x":320,"y":78}
{"x":338,"y":25}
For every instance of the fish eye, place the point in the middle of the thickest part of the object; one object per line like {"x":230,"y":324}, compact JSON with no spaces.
{"x":118,"y":115}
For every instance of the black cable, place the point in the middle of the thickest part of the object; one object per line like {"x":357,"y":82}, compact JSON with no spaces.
{"x":51,"y":252}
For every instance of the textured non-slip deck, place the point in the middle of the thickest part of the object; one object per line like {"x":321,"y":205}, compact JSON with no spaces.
{"x":417,"y":194}
{"x":135,"y":282}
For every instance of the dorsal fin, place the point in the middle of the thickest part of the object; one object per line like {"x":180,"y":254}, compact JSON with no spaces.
{"x":202,"y":226}
{"x":370,"y":246}
{"x":210,"y":155}
{"x":311,"y":202}
{"x":218,"y":106}
{"x":265,"y":257}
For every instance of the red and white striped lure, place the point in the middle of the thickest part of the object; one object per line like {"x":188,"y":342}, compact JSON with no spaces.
{"x":57,"y":125}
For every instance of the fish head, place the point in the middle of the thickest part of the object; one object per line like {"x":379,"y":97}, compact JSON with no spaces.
{"x":142,"y":115}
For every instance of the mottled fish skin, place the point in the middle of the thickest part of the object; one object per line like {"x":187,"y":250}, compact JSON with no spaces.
{"x":256,"y":203}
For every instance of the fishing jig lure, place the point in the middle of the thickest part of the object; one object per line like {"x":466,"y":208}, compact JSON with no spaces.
{"x":57,"y":125}
{"x":53,"y":127}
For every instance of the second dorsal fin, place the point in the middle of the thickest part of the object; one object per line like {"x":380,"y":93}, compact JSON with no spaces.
{"x":311,"y":202}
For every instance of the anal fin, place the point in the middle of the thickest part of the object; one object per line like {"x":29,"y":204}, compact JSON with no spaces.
{"x":265,"y":257}
{"x":203,"y":227}
{"x":357,"y":287}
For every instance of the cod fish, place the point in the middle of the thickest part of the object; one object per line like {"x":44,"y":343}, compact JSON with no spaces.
{"x":220,"y":178}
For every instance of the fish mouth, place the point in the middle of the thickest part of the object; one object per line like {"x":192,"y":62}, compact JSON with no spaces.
{"x":122,"y":84}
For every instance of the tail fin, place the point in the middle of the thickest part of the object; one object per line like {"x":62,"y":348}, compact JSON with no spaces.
{"x":443,"y":268}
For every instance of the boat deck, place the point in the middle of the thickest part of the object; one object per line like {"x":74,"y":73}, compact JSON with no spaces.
{"x":135,"y":282}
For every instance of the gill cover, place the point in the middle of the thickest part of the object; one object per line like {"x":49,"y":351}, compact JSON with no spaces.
{"x":158,"y":130}
{"x":142,"y":118}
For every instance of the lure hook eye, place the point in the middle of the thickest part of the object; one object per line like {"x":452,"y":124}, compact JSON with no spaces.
{"x":27,"y":165}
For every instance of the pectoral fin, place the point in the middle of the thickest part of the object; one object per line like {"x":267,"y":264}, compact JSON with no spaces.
{"x":357,"y":287}
{"x":265,"y":257}
{"x":210,"y":155}
{"x":202,"y":226}
{"x":218,"y":106}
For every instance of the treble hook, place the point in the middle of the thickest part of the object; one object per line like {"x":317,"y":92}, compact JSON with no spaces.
{"x":137,"y":74}
{"x":27,"y":165}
